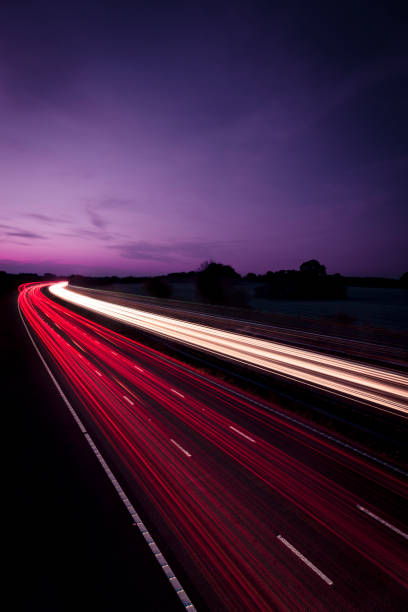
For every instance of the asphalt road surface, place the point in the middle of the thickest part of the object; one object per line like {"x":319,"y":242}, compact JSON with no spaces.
{"x":255,"y":511}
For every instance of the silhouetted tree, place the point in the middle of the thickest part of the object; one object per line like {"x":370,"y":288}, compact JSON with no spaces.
{"x":404,"y":280}
{"x":215,"y":282}
{"x":313,"y":267}
{"x":309,"y":283}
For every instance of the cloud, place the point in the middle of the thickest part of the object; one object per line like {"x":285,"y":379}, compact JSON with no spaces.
{"x":14,"y":266}
{"x":178,"y":251}
{"x":96,"y":219}
{"x":146,"y":251}
{"x":92,"y":234}
{"x":94,"y":206}
{"x":45,"y":218}
{"x":25,"y":234}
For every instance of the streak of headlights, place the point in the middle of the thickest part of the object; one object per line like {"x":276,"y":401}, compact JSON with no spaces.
{"x":363,"y":382}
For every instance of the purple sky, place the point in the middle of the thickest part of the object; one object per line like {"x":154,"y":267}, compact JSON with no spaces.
{"x":148,"y":137}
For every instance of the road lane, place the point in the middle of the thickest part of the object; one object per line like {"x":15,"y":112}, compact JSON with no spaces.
{"x":390,"y":352}
{"x":377,"y":386}
{"x":224,"y":501}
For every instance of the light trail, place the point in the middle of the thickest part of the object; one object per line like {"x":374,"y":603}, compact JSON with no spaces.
{"x":223,"y":477}
{"x":373,"y":385}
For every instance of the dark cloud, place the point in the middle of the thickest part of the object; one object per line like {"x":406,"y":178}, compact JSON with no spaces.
{"x":177,"y":251}
{"x":92,"y":234}
{"x":14,"y":266}
{"x":85,"y":234}
{"x":108,"y":203}
{"x":26,"y":234}
{"x":96,"y":219}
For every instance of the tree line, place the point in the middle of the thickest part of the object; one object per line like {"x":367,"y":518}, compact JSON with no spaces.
{"x":217,"y":283}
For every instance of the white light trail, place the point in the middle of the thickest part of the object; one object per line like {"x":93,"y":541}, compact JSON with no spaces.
{"x":360,"y":381}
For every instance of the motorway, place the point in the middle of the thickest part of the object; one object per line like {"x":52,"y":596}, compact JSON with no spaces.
{"x":260,"y":512}
{"x":384,"y":349}
{"x":385,"y":389}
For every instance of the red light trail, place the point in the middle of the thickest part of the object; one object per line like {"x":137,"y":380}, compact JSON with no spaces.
{"x":260,"y":513}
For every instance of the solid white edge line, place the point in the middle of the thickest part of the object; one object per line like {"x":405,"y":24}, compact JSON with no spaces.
{"x":241,"y":433}
{"x":383,"y":522}
{"x":287,"y":417}
{"x":183,"y":450}
{"x":305,"y":560}
{"x":171,"y":577}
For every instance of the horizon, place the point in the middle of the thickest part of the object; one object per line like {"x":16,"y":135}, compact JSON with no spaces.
{"x":137,"y":276}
